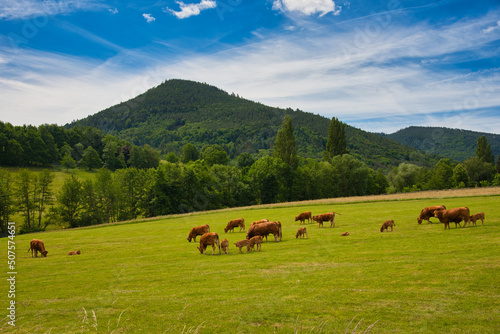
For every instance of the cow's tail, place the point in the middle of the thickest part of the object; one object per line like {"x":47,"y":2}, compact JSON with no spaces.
{"x":208,"y":227}
{"x":218,"y":243}
{"x":336,"y":213}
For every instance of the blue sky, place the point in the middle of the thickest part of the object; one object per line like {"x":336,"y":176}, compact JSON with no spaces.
{"x":377,"y":65}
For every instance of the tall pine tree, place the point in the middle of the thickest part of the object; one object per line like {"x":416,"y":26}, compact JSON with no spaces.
{"x":285,"y":147}
{"x":483,"y":150}
{"x":336,"y":143}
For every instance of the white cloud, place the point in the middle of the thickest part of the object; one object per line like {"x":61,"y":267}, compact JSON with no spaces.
{"x":492,"y":28}
{"x":23,"y":9}
{"x":188,"y":10}
{"x":113,"y":10}
{"x":307,"y":7}
{"x":148,"y":17}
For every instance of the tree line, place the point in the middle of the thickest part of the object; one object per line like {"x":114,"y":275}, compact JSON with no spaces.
{"x":90,"y":148}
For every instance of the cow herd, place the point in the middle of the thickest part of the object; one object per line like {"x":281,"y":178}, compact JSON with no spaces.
{"x":262,"y":228}
{"x":256,"y":233}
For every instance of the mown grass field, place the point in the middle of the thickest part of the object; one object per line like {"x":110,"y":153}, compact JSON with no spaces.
{"x":145,"y":277}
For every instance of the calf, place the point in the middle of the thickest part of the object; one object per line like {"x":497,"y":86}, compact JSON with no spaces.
{"x":257,"y":240}
{"x":74,"y":252}
{"x":476,"y":217}
{"x":301,"y":232}
{"x":235,"y":223}
{"x":224,"y":245}
{"x":196,"y":231}
{"x":37,"y":246}
{"x":386,"y":225}
{"x":428,"y":212}
{"x":325,"y":217}
{"x":209,"y":239}
{"x":455,"y":215}
{"x":345,"y":234}
{"x":303,"y":216}
{"x":242,"y":243}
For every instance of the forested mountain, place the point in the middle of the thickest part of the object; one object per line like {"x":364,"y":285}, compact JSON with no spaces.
{"x":455,"y":144}
{"x":178,"y":112}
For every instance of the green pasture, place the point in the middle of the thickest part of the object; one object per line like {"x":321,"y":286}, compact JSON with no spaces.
{"x":145,"y":277}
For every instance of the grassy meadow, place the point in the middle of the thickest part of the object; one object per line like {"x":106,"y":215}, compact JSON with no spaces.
{"x":145,"y":277}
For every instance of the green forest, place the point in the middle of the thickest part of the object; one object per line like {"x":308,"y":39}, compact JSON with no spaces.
{"x":158,"y":155}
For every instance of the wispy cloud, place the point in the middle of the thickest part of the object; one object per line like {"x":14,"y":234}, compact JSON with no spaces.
{"x":188,"y":10}
{"x":148,"y":18}
{"x":492,"y":28}
{"x":307,"y":7}
{"x":23,"y":9}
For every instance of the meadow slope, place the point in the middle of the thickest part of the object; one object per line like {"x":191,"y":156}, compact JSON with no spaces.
{"x":145,"y":277}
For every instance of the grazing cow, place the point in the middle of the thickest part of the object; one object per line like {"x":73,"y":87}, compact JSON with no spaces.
{"x":325,"y":217}
{"x":225,"y":246}
{"x":257,"y":240}
{"x":428,"y":212}
{"x":235,"y":223}
{"x":476,"y":217}
{"x":455,"y":215}
{"x":265,"y":220}
{"x":386,"y":225}
{"x":74,"y":252}
{"x":242,"y":243}
{"x":345,"y":234}
{"x":264,"y":229}
{"x":303,"y":216}
{"x":37,"y":246}
{"x":196,"y":231}
{"x":301,"y":232}
{"x":209,"y":239}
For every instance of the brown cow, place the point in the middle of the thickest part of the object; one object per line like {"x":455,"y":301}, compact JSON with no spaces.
{"x":301,"y":232}
{"x":428,"y":212}
{"x":242,"y":243}
{"x":265,"y":220}
{"x":264,"y":229}
{"x":209,"y":239}
{"x":345,"y":234}
{"x":196,"y":231}
{"x":74,"y":252}
{"x":235,"y":223}
{"x":37,"y":246}
{"x":386,"y":225}
{"x":257,"y":240}
{"x":225,"y":246}
{"x":455,"y":215}
{"x":476,"y":217}
{"x":303,"y":216}
{"x":325,"y":217}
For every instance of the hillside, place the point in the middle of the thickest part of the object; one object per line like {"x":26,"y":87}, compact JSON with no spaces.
{"x":455,"y":144}
{"x":178,"y":112}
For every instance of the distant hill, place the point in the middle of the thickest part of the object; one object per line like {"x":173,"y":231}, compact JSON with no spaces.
{"x":180,"y":111}
{"x":455,"y":144}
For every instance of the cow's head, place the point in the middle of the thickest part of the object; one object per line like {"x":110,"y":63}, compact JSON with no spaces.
{"x":419,"y":220}
{"x":201,"y":249}
{"x":382,"y":229}
{"x":78,"y":252}
{"x":225,"y":229}
{"x":44,"y":253}
{"x":189,"y":238}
